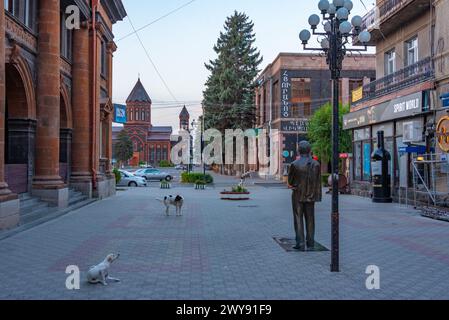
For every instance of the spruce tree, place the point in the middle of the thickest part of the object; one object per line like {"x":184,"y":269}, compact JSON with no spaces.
{"x":229,"y":93}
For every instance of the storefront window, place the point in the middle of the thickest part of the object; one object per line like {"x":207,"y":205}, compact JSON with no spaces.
{"x":367,"y":161}
{"x":362,"y":154}
{"x":358,"y":161}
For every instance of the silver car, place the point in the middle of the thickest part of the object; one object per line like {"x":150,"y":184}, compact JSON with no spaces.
{"x":131,"y":180}
{"x":153,"y":175}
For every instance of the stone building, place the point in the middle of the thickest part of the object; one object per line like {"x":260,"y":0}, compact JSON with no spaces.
{"x":294,"y":86}
{"x":55,"y":102}
{"x":405,"y":101}
{"x":151,"y":144}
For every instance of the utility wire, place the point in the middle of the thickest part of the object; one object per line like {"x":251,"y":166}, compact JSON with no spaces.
{"x":157,"y":20}
{"x":151,"y":61}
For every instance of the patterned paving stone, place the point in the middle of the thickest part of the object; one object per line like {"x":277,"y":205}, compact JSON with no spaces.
{"x":221,"y":250}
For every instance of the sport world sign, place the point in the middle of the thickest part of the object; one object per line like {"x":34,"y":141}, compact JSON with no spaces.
{"x":395,"y":109}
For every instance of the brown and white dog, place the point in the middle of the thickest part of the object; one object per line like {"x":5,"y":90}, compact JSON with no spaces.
{"x":171,"y":201}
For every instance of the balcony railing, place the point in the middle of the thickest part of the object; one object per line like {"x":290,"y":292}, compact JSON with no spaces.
{"x":407,"y":10}
{"x":414,"y":74}
{"x":388,"y":6}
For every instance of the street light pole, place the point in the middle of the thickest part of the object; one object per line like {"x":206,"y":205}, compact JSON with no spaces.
{"x":334,"y":44}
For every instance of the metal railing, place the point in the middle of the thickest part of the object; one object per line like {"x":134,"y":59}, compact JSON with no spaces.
{"x":416,"y":73}
{"x":383,"y":10}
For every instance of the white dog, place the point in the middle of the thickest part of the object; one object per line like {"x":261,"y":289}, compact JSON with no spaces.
{"x":100,"y":273}
{"x":176,"y":202}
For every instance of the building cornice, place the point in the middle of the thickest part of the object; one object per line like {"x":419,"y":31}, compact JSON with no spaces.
{"x":114,"y":9}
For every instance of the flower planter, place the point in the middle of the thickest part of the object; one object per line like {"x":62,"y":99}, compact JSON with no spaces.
{"x":235,"y":196}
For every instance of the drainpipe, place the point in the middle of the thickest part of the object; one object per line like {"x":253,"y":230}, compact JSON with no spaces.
{"x":271,"y":120}
{"x":94,"y":92}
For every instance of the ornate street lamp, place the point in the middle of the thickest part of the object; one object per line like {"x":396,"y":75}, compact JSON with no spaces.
{"x":337,"y":40}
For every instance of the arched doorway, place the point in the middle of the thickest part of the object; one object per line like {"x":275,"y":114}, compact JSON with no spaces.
{"x":65,"y":137}
{"x":20,"y":128}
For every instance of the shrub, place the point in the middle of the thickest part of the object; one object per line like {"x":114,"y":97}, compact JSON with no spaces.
{"x":118,"y":175}
{"x":194,"y":177}
{"x":201,"y":182}
{"x":239,"y":189}
{"x":165,"y":164}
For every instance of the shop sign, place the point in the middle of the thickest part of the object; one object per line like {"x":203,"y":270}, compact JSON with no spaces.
{"x":395,"y":109}
{"x":286,"y":94}
{"x":413,"y":149}
{"x":295,"y":126}
{"x":357,"y":94}
{"x":443,"y":133}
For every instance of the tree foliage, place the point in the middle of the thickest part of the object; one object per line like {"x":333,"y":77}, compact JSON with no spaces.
{"x":320,"y":133}
{"x":124,"y":147}
{"x":229,"y":94}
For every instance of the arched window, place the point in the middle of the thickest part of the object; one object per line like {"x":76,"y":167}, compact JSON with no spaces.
{"x":143,"y":115}
{"x":137,"y":115}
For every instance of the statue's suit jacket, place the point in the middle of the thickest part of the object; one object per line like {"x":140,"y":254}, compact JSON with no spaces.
{"x":305,"y":177}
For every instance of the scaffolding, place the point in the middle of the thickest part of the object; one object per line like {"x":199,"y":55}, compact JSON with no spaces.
{"x":430,"y":180}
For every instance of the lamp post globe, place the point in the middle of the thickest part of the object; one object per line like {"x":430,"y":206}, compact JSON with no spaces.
{"x":345,"y":28}
{"x":364,"y":37}
{"x":323,"y":5}
{"x":357,"y":21}
{"x":314,"y":20}
{"x":305,"y":36}
{"x":325,"y":44}
{"x":348,"y":5}
{"x":339,"y":3}
{"x":332,"y":10}
{"x":342,"y":14}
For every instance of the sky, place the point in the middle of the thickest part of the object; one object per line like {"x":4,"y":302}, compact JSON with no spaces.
{"x":180,"y":44}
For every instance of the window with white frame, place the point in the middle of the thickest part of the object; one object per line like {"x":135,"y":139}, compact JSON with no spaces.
{"x":390,"y":62}
{"x":411,"y":47}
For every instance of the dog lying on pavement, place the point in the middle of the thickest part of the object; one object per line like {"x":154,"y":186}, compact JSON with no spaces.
{"x":100,"y":273}
{"x":171,"y":201}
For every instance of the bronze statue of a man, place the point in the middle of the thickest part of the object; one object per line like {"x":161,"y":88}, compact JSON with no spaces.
{"x":305,"y":180}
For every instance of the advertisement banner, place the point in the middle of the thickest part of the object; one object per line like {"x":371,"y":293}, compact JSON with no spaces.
{"x":119,"y":113}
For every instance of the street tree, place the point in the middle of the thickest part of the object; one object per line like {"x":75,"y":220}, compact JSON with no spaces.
{"x":124,"y":147}
{"x":229,"y":94}
{"x":320,"y":133}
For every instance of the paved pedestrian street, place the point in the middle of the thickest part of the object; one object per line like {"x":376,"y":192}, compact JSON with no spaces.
{"x":225,"y":250}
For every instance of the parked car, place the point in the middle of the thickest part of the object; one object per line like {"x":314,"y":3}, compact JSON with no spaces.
{"x":131,"y":180}
{"x":153,"y":175}
{"x":181,"y":167}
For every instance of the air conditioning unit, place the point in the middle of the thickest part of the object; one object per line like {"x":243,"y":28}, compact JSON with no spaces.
{"x":413,"y":132}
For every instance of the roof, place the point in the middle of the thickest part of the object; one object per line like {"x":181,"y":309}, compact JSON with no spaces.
{"x":168,"y":130}
{"x":139,"y":94}
{"x":159,"y":137}
{"x":184,"y":113}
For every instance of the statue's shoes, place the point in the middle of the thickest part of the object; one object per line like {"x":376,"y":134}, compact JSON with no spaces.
{"x":300,"y":248}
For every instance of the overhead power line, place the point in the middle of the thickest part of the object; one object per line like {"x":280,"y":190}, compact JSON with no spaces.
{"x":157,"y":20}
{"x":151,"y":61}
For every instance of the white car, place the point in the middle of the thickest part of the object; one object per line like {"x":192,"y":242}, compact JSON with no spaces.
{"x":131,"y":180}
